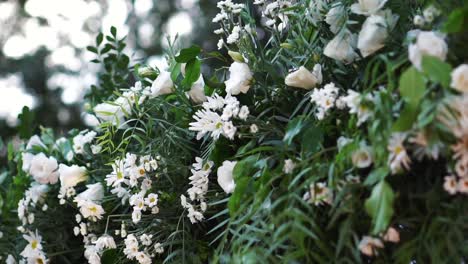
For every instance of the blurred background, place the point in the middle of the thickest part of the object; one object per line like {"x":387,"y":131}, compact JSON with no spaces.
{"x":45,"y":66}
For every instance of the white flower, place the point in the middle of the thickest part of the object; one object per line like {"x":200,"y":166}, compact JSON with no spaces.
{"x":427,"y":43}
{"x":244,"y":112}
{"x":362,"y":158}
{"x":90,"y":210}
{"x":70,"y":176}
{"x":26,"y":158}
{"x":95,"y":149}
{"x":35,"y":141}
{"x":343,"y":141}
{"x":162,"y":85}
{"x":336,"y":18}
{"x":462,"y":186}
{"x":34,"y":245}
{"x":207,"y":121}
{"x":460,"y":78}
{"x":110,"y":113}
{"x":325,"y":99}
{"x":303,"y":78}
{"x":225,"y":179}
{"x":318,"y":194}
{"x":81,"y":139}
{"x":220,"y":44}
{"x":398,"y":158}
{"x":234,"y":36}
{"x":289,"y":166}
{"x":369,"y":245}
{"x":197,"y":92}
{"x":239,"y":78}
{"x":146,"y":239}
{"x":92,"y":255}
{"x":341,"y":47}
{"x":158,"y":248}
{"x":367,"y":7}
{"x":136,"y":216}
{"x":94,"y":192}
{"x":118,"y":174}
{"x":373,"y":34}
{"x":151,"y":200}
{"x":253,"y":128}
{"x":392,"y":235}
{"x":229,"y":130}
{"x":43,"y":169}
{"x":418,"y":21}
{"x":143,"y":258}
{"x":105,"y":242}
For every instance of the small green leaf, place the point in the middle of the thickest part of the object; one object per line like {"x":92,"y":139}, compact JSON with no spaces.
{"x":412,"y":86}
{"x":113,"y":31}
{"x":245,"y":167}
{"x":92,"y":49}
{"x":380,"y":206}
{"x":99,"y":39}
{"x":437,"y":70}
{"x":175,"y":71}
{"x":192,"y":72}
{"x":188,"y":54}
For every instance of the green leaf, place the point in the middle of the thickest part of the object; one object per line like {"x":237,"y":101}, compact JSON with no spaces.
{"x":113,"y":31}
{"x":294,"y":128}
{"x":311,"y":139}
{"x":237,"y":196}
{"x":376,"y":176}
{"x":188,"y":54}
{"x":437,"y":70}
{"x":245,"y":167}
{"x":455,"y":21}
{"x":407,"y":118}
{"x":380,"y":206}
{"x":192,"y":72}
{"x":26,"y":127}
{"x":99,"y":39}
{"x":92,"y":49}
{"x":412,"y":86}
{"x":109,"y":256}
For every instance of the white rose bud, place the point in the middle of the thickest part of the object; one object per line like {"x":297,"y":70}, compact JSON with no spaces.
{"x":225,"y":179}
{"x":239,"y":78}
{"x":373,"y":34}
{"x":303,"y":78}
{"x":197,"y":92}
{"x":341,"y":47}
{"x":162,"y":85}
{"x":460,"y":78}
{"x":427,"y":43}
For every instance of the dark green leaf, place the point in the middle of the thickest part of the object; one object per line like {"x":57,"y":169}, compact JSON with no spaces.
{"x":92,"y":49}
{"x":455,"y":21}
{"x":407,"y":118}
{"x":99,"y":39}
{"x":26,"y":127}
{"x":294,"y":128}
{"x":192,"y":72}
{"x":188,"y":54}
{"x":376,"y":176}
{"x":113,"y":31}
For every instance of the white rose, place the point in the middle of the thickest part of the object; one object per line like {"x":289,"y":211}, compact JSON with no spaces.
{"x":162,"y":85}
{"x":460,"y":78}
{"x":239,"y":78}
{"x":197,"y":92}
{"x":367,"y":7}
{"x":27,"y":158}
{"x":303,"y":78}
{"x":110,"y":113}
{"x":225,"y":179}
{"x":373,"y":34}
{"x":336,"y":18}
{"x":35,"y":141}
{"x":94,"y":193}
{"x":341,"y":47}
{"x":427,"y":43}
{"x":43,"y":169}
{"x":70,"y":176}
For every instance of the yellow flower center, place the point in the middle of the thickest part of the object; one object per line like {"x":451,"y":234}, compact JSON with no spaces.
{"x":219,"y":125}
{"x":142,"y":172}
{"x":93,"y":209}
{"x":119,"y":175}
{"x":34,"y":244}
{"x":398,"y":149}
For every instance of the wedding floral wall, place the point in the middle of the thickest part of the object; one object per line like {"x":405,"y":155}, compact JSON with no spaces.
{"x":336,"y":132}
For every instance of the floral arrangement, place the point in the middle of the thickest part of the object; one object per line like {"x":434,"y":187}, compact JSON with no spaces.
{"x":337,"y":132}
